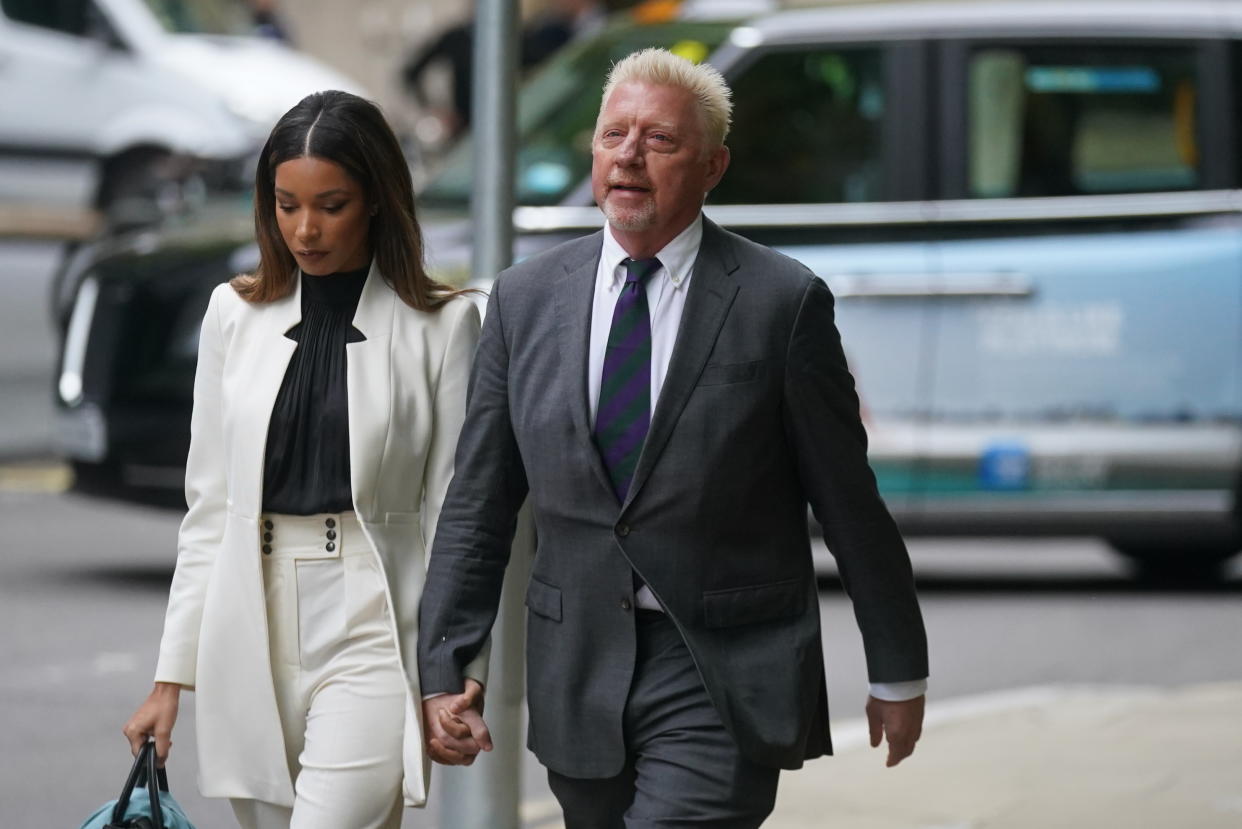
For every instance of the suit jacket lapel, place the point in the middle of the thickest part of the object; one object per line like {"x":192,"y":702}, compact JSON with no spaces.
{"x":574,"y":299}
{"x":263,"y":370}
{"x":367,"y":378}
{"x":712,"y":290}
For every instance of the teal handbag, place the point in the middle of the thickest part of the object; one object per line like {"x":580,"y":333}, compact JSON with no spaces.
{"x":145,"y":802}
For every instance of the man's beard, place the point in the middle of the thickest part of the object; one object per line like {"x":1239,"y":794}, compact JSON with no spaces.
{"x":631,"y":218}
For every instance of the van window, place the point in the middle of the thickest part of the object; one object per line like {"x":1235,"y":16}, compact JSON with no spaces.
{"x":1068,"y":120}
{"x":70,"y":17}
{"x":806,"y":128}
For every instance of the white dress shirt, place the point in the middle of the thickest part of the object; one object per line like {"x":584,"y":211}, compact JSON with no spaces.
{"x":666,"y":299}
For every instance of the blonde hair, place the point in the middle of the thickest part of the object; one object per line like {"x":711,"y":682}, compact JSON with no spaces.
{"x":660,"y":67}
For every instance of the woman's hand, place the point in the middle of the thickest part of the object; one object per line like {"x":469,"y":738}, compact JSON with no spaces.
{"x":155,"y":718}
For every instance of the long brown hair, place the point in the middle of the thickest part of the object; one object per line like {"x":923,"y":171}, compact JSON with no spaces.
{"x":349,"y":131}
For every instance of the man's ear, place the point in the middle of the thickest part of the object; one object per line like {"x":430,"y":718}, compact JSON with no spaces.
{"x":718,"y":162}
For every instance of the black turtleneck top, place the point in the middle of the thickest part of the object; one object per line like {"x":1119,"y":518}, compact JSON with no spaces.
{"x":306,"y":465}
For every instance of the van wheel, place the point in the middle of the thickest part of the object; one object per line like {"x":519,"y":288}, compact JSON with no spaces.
{"x":1178,"y":563}
{"x":132,"y":185}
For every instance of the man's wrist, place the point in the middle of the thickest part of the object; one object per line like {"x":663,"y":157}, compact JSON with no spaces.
{"x":899,"y":691}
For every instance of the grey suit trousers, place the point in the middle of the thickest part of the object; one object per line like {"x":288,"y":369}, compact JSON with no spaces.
{"x":682,"y":768}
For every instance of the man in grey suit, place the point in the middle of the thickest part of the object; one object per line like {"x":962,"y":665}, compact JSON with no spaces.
{"x":670,"y":397}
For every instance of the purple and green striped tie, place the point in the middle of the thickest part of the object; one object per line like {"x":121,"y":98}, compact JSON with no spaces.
{"x":624,"y":410}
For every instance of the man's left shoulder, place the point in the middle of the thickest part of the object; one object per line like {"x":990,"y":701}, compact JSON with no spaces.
{"x":778,"y":270}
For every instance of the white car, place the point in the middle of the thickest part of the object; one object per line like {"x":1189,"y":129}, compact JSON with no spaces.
{"x":106,"y":104}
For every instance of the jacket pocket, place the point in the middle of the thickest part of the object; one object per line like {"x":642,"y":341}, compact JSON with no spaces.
{"x":544,"y":599}
{"x":720,"y":374}
{"x":750,"y":605}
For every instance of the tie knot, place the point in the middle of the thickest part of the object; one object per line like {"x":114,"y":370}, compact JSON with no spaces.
{"x":638,"y":270}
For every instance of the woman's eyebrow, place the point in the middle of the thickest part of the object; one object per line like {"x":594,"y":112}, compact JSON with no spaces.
{"x":333,"y":192}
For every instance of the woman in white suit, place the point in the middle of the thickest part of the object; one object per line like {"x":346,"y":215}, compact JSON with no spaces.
{"x":330,"y":389}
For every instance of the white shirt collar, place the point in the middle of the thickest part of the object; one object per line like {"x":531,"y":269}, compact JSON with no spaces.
{"x":677,"y":256}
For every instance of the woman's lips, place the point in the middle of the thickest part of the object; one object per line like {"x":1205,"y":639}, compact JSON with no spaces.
{"x":312,"y":254}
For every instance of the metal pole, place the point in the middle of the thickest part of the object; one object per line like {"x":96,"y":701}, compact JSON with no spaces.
{"x":488,"y":793}
{"x":493,"y":124}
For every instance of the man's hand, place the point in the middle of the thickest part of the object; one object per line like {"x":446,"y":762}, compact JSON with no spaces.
{"x":900,"y":722}
{"x":455,"y":731}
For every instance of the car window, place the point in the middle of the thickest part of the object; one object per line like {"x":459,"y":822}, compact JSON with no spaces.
{"x":215,"y":17}
{"x":1070,"y":120}
{"x":806,"y":128}
{"x":69,"y":17}
{"x":557,"y":109}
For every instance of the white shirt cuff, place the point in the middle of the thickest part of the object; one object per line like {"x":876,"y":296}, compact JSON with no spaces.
{"x":899,"y":691}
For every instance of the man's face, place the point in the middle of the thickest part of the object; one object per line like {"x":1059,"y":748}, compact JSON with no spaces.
{"x":651,"y":165}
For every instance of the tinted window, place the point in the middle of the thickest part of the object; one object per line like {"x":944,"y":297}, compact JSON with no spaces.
{"x":1056,"y":121}
{"x":806,"y":128}
{"x":68,"y":16}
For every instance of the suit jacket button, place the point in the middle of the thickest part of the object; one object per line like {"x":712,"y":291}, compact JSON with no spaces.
{"x":267,"y":549}
{"x":267,"y":536}
{"x":330,"y":523}
{"x":625,"y":605}
{"x":331,"y":534}
{"x":329,"y":546}
{"x":267,"y":525}
{"x":623,"y":530}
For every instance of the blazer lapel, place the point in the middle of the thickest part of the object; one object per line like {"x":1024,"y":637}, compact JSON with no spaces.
{"x":263,"y":373}
{"x":367,"y":378}
{"x":712,"y":290}
{"x":574,"y":298}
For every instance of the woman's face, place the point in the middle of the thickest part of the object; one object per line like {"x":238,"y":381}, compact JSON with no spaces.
{"x":323,"y":216}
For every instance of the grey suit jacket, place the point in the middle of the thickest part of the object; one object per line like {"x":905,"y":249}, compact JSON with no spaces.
{"x":757,"y":418}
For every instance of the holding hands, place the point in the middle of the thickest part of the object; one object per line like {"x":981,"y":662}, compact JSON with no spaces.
{"x":454,"y":728}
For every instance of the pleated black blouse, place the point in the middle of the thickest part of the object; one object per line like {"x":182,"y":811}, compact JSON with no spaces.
{"x":306,"y":465}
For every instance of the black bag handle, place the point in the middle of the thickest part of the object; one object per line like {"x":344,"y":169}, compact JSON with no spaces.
{"x":144,"y":771}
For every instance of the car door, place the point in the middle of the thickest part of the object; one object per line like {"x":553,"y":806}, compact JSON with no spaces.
{"x":1086,"y":371}
{"x":825,"y":167}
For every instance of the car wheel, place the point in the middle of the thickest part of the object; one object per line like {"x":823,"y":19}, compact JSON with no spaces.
{"x":1178,"y":563}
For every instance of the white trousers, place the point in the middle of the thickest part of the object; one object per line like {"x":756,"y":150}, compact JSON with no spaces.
{"x":339,"y":684}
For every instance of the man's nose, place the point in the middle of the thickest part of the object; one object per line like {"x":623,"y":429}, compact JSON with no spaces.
{"x":629,"y":153}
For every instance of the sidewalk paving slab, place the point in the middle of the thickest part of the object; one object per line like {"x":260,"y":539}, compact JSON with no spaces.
{"x":1099,"y":757}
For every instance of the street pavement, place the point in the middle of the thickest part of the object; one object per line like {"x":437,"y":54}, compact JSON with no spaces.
{"x":1062,"y":695}
{"x":1090,"y":756}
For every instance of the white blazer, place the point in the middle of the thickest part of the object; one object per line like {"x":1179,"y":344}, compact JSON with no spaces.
{"x":407,"y":395}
